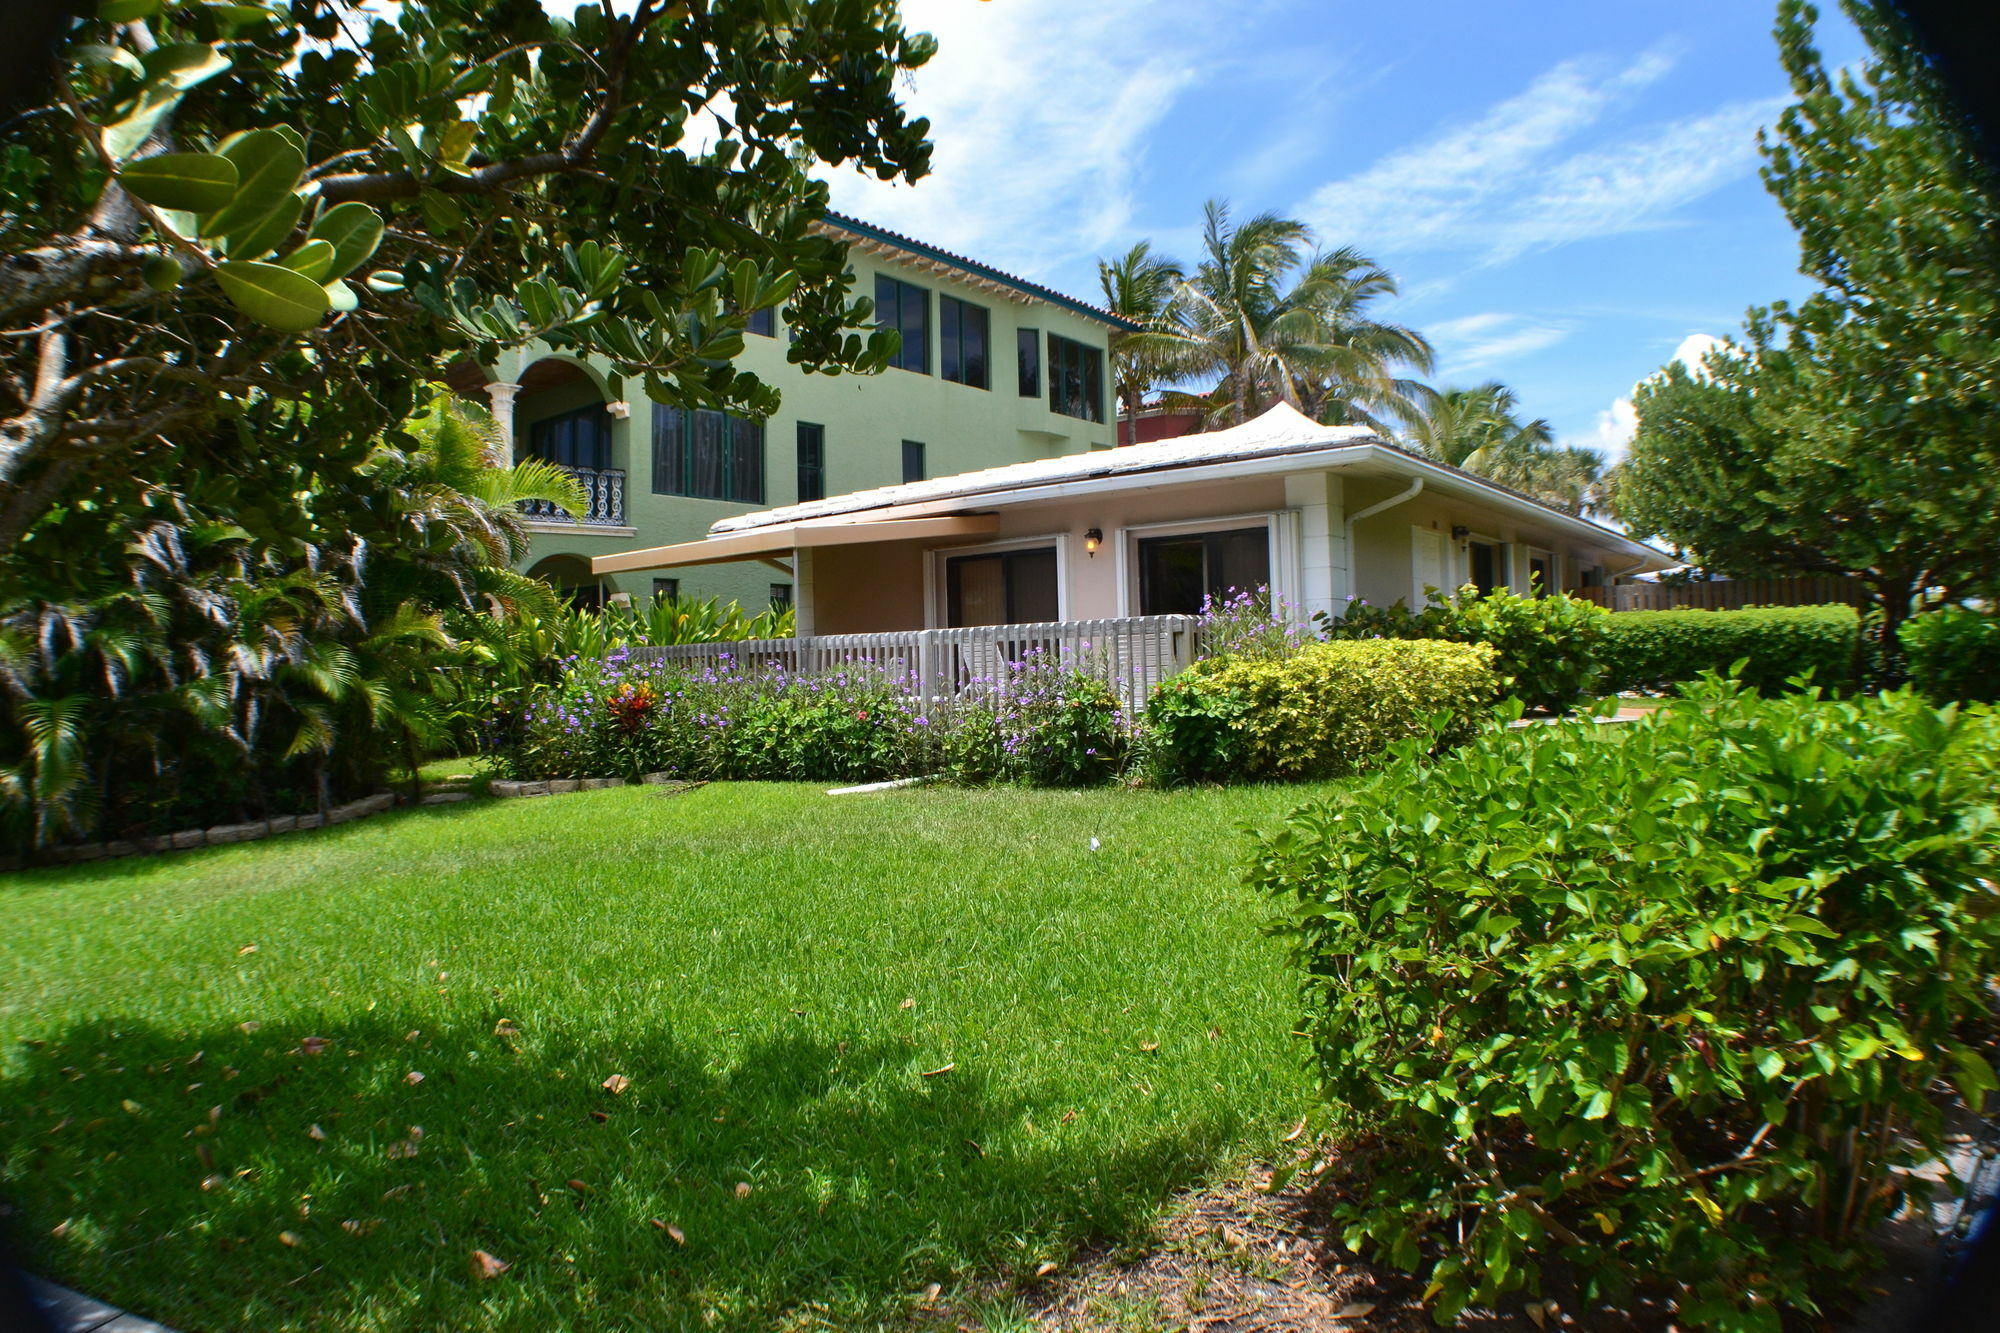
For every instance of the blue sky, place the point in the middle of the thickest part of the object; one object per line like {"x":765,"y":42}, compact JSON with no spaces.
{"x":1568,"y":191}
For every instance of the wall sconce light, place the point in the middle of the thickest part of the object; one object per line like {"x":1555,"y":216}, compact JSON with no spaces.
{"x":1460,"y":533}
{"x":1092,"y":540}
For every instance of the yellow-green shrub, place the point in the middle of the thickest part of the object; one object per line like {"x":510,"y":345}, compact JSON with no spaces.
{"x":1324,"y":712}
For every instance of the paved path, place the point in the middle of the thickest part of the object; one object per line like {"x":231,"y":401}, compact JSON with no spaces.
{"x":73,"y":1312}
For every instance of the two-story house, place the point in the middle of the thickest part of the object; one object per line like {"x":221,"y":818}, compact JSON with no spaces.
{"x":993,"y":370}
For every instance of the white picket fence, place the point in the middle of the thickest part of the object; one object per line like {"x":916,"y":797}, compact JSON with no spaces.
{"x":1132,"y":654}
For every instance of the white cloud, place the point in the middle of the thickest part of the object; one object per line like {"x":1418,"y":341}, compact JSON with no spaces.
{"x":1521,"y":178}
{"x":1617,"y":424}
{"x":1469,"y":346}
{"x":1039,"y":110}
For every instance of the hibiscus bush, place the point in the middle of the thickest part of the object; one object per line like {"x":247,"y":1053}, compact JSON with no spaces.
{"x":1666,"y":1002}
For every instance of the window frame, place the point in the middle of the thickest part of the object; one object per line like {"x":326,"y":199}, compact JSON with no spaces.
{"x":818,"y":467}
{"x":902,"y":290}
{"x":1090,"y":359}
{"x":670,"y":588}
{"x":735,"y":466}
{"x":937,"y":608}
{"x":922,"y":456}
{"x":952,"y":330}
{"x":1028,"y":375}
{"x":1281,"y":539}
{"x":595,"y":412}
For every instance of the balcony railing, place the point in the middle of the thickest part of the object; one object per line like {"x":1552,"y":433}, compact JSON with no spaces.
{"x":605,"y":487}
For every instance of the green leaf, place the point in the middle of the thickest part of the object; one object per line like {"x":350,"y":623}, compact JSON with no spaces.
{"x":196,"y":182}
{"x":313,"y":258}
{"x":354,"y":230}
{"x":183,"y":65}
{"x":162,"y":273}
{"x":267,"y":233}
{"x":341,"y":296}
{"x":127,"y":11}
{"x":1600,"y":1106}
{"x":122,"y":138}
{"x":274,"y":296}
{"x":268,"y":168}
{"x":97,"y":53}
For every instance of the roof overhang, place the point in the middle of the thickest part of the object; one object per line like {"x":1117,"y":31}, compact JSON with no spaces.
{"x":765,"y":544}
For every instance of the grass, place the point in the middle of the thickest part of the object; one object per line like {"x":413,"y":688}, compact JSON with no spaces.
{"x":779,"y":974}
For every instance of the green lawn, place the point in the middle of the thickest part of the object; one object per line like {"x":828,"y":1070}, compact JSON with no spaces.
{"x":778,"y":974}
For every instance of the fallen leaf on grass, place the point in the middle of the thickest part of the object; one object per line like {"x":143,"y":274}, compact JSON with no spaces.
{"x":932,"y":1292}
{"x":1355,"y":1310}
{"x":413,"y":1078}
{"x":360,"y":1227}
{"x":248,"y":948}
{"x":616,"y":1084}
{"x":1149,"y":1046}
{"x":941,"y":1069}
{"x":288,"y":1238}
{"x":249,"y":1025}
{"x":1069,"y":1115}
{"x":313,"y":1045}
{"x":680,"y":1237}
{"x":975,"y":1147}
{"x":1046,"y":1268}
{"x":600,"y":1116}
{"x":484,"y":1266}
{"x":316,"y":1134}
{"x":742,"y":1189}
{"x":580,"y":1187}
{"x":1297,"y":1130}
{"x":395,"y":1192}
{"x":506,"y":1027}
{"x":910,"y":1003}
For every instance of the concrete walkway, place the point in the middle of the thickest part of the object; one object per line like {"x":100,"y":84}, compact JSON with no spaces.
{"x":73,"y":1312}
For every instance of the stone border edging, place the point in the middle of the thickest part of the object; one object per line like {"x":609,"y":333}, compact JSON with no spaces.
{"x":220,"y":835}
{"x":558,"y":786}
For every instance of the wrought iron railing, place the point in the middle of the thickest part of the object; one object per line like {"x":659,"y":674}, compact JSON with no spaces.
{"x":605,"y":487}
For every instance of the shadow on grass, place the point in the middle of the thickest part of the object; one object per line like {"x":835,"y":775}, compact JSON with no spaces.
{"x":229,"y":1179}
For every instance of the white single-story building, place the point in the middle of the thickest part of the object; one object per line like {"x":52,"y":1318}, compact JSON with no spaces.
{"x":1320,"y":514}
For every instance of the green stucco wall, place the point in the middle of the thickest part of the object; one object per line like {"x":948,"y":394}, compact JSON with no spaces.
{"x":866,"y":419}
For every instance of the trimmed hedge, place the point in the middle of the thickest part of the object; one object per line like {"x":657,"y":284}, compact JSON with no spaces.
{"x":1662,"y":1005}
{"x":1954,"y":654}
{"x":1327,"y":711}
{"x":1653,"y":650}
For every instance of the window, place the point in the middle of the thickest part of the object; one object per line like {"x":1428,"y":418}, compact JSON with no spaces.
{"x":812,"y":461}
{"x":669,"y":589}
{"x":1177,"y":574}
{"x":574,"y":439}
{"x":764,"y":321}
{"x":1076,"y":379}
{"x":907,"y":309}
{"x":781,"y":596}
{"x":1005,"y":588}
{"x":707,"y":455}
{"x":962,"y":341}
{"x":1028,"y":351}
{"x":913,"y":460}
{"x":1541,"y":574}
{"x":1483,"y":566}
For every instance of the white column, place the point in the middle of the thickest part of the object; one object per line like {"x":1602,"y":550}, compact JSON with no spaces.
{"x":1320,"y":498}
{"x":501,"y":395}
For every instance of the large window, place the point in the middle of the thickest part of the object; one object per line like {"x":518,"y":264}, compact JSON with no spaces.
{"x":962,"y":342}
{"x":812,"y":461}
{"x":907,"y":309}
{"x":1005,"y":588}
{"x":1076,"y":379}
{"x":913,"y":460}
{"x":1483,"y":566}
{"x":707,"y":455}
{"x":575,"y":439}
{"x":1177,"y":574}
{"x":1028,"y":351}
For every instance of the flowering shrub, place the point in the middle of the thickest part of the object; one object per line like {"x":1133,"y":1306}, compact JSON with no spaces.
{"x":1041,"y":719}
{"x":1252,"y":623}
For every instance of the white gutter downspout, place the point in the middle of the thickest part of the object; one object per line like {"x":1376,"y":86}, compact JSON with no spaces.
{"x":1375,"y":509}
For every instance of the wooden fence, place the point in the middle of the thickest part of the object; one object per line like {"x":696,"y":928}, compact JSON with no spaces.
{"x":1133,"y":654}
{"x":1725,"y":594}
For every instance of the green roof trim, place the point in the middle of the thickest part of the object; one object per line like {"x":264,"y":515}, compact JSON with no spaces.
{"x":977,"y":269}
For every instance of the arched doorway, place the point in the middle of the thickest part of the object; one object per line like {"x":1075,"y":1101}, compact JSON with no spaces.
{"x":561,"y":416}
{"x":570,"y":576}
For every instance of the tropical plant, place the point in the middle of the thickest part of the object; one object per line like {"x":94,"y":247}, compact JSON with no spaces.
{"x":218,"y":213}
{"x":1850,"y":434}
{"x":1138,"y":285}
{"x":1273,"y":322}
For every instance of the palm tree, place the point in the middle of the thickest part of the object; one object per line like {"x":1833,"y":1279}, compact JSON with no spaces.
{"x":1139,"y":285}
{"x":1479,"y":429}
{"x":1272,"y":323}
